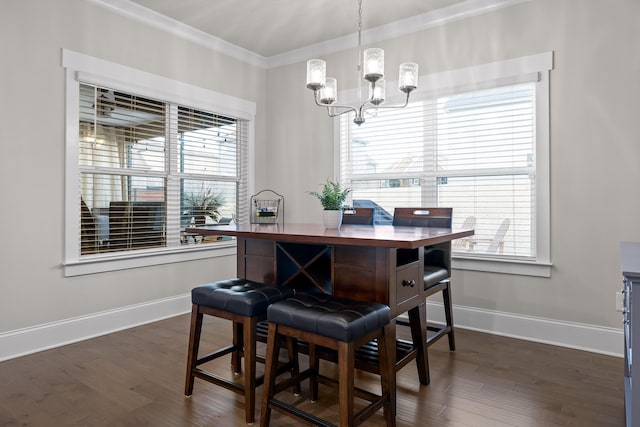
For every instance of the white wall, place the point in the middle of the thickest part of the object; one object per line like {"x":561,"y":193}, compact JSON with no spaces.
{"x":33,"y":291}
{"x":595,"y":148}
{"x":594,"y":152}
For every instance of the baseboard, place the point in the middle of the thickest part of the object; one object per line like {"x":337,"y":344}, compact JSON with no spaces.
{"x":565,"y":334}
{"x":43,"y":337}
{"x":597,"y":339}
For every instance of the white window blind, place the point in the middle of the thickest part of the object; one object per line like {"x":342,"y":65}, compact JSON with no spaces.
{"x":472,"y":151}
{"x":149,"y":168}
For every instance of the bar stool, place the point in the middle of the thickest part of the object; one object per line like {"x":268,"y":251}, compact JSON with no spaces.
{"x":437,"y":265}
{"x":339,"y":324}
{"x":245,"y":304}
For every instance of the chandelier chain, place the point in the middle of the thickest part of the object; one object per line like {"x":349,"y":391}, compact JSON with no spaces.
{"x":359,"y":35}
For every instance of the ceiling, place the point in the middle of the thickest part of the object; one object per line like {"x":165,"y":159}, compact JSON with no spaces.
{"x":274,"y":27}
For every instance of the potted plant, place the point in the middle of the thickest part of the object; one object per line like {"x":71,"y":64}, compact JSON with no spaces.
{"x":202,"y":205}
{"x":332,"y":199}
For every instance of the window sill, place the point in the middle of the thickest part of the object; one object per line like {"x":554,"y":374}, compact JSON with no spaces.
{"x":145,"y":258}
{"x":504,"y":266}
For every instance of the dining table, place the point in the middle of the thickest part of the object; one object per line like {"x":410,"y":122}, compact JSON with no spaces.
{"x":376,"y":263}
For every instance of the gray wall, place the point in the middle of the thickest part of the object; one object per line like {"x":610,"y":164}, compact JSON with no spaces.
{"x":594,"y":148}
{"x":33,"y":288}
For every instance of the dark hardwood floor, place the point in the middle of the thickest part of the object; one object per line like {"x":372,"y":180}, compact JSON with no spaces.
{"x":136,"y":378}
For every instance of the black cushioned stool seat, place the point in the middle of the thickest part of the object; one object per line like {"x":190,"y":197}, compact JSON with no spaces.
{"x":339,"y":324}
{"x":244,"y":303}
{"x":239,"y":296}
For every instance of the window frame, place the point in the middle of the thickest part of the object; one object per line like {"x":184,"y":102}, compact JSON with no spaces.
{"x":533,"y":68}
{"x":87,"y":69}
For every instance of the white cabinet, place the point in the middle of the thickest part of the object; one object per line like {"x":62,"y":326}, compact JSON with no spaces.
{"x":630,"y":257}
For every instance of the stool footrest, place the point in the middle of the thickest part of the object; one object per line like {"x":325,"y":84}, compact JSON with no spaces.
{"x":440,"y":332}
{"x":298,"y":414}
{"x":222,"y":382}
{"x":231,"y":385}
{"x":289,"y":382}
{"x":358,"y":392}
{"x":366,"y":355}
{"x":376,"y":402}
{"x":216,"y":354}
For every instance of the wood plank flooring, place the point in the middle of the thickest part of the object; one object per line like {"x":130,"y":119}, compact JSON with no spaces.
{"x":136,"y":378}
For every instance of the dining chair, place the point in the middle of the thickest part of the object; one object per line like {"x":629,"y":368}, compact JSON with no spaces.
{"x":437,"y":265}
{"x":358,"y":216}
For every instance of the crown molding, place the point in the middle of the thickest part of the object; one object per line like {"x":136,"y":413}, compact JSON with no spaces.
{"x":392,"y":30}
{"x":395,"y":29}
{"x":147,"y":16}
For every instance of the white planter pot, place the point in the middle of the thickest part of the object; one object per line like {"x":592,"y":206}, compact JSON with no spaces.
{"x":332,"y":219}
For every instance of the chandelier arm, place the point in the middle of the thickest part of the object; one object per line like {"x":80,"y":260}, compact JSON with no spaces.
{"x":381,"y":107}
{"x":347,"y":108}
{"x":365,"y":106}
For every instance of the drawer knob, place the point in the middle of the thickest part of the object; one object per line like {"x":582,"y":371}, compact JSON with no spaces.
{"x":410,"y":283}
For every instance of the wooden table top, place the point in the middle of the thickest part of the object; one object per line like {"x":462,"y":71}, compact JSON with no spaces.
{"x":401,"y":237}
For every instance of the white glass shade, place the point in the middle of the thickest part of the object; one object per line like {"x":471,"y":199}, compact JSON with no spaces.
{"x":316,"y":73}
{"x":328,"y":94}
{"x":373,"y":68}
{"x":376,"y":92}
{"x":408,"y":78}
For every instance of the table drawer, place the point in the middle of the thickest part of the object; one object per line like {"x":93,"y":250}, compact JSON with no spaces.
{"x":408,"y":284}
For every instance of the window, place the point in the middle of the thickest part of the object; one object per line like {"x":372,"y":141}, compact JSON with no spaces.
{"x":146,"y":165}
{"x":480,"y":147}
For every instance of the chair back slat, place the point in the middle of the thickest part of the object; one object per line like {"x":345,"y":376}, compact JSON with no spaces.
{"x":358,"y":216}
{"x":423,"y":217}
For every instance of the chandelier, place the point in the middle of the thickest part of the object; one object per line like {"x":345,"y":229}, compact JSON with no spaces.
{"x":325,"y":89}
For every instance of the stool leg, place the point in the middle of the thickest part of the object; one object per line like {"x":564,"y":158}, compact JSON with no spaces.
{"x":238,"y":344}
{"x":448,"y":313}
{"x":292,"y":350}
{"x":314,"y":366}
{"x":346,"y":367}
{"x":270,"y":368}
{"x":387,"y":375}
{"x":249,"y":340}
{"x":194,"y":343}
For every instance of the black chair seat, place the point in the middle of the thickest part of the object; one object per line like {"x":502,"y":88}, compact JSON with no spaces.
{"x":239,"y":296}
{"x":337,"y":318}
{"x":434,"y":275}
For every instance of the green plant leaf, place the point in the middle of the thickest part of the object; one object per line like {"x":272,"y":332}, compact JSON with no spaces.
{"x":332,"y":196}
